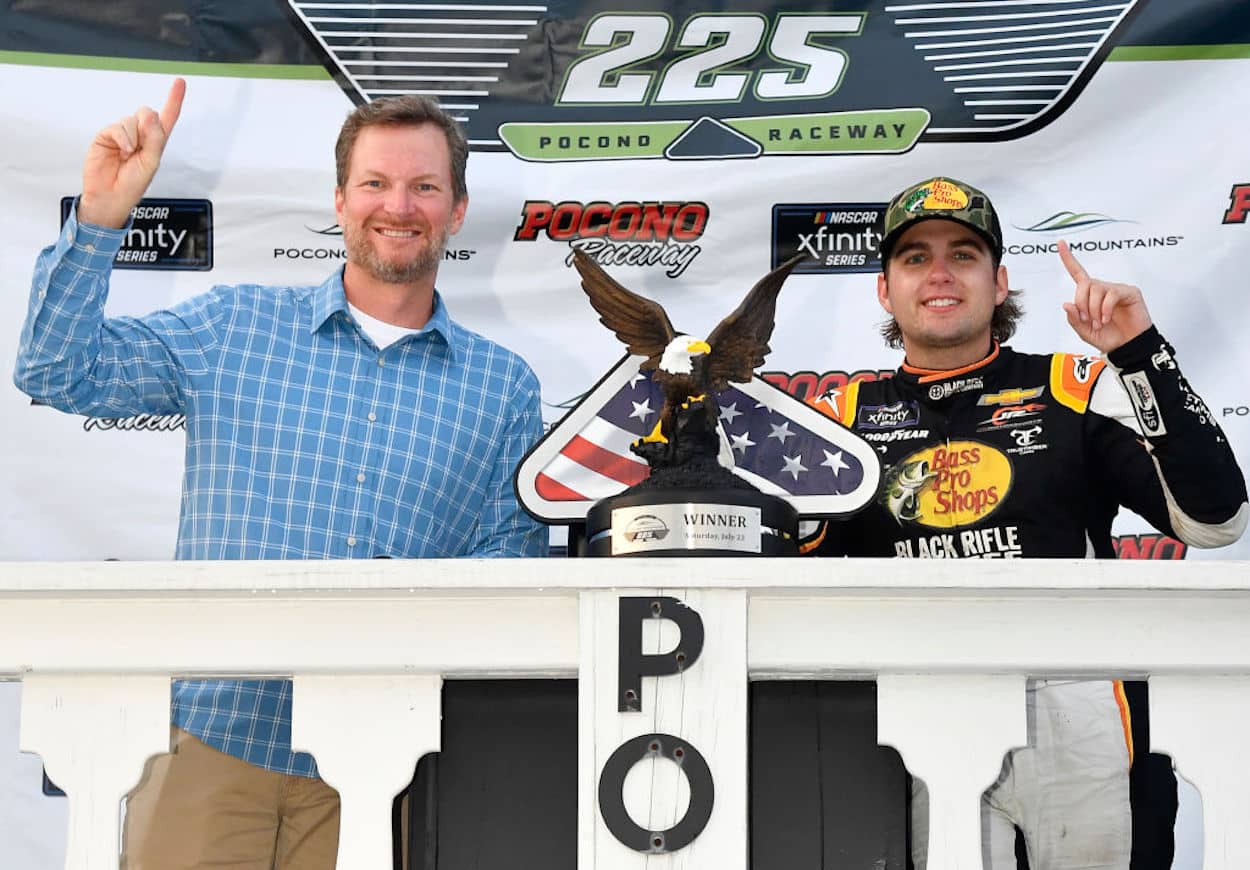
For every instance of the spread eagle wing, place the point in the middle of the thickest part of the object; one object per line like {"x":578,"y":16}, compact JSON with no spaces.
{"x":641,"y":323}
{"x":740,"y":341}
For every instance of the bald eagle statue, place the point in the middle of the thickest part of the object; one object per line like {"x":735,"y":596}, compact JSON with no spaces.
{"x":690,"y":370}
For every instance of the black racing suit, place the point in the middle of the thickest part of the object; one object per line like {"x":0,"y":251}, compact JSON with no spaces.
{"x":1032,"y":455}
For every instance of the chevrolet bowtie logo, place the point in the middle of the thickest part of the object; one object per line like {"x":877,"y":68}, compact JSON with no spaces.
{"x":1013,"y":396}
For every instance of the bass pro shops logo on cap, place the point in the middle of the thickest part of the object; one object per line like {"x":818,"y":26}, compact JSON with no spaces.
{"x":936,"y":194}
{"x":943,"y":198}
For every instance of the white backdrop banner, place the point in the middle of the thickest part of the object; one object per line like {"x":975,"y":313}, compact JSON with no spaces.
{"x":688,"y":149}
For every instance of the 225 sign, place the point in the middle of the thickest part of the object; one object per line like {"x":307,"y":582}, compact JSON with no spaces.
{"x":709,"y":47}
{"x":667,"y":79}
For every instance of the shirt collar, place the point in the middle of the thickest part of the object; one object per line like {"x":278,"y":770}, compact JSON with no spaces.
{"x":327,"y":300}
{"x":330,"y":298}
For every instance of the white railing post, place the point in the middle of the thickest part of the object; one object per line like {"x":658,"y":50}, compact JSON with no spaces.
{"x":367,"y":734}
{"x":705,"y":706}
{"x":94,"y":734}
{"x":1200,"y":721}
{"x":952,"y":731}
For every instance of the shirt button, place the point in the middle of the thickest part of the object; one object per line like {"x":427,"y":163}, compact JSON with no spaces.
{"x":89,"y":248}
{"x":373,"y":418}
{"x":381,"y":361}
{"x":351,"y":542}
{"x":360,"y":478}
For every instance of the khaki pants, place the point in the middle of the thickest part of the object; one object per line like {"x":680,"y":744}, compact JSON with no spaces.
{"x":198,"y":807}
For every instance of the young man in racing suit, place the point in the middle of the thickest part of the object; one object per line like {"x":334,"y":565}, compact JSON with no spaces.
{"x":991,"y":453}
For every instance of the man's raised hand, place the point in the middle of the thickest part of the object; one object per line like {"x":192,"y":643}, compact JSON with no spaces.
{"x":122,"y":160}
{"x":1103,"y":314}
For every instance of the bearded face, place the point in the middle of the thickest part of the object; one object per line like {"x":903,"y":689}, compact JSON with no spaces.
{"x":393,"y":250}
{"x":397,"y":207}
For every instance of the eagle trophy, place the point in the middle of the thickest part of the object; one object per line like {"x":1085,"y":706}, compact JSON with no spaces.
{"x":689,"y":370}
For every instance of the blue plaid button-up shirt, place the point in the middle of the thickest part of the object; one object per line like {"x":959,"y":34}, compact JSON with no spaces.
{"x":304,"y":440}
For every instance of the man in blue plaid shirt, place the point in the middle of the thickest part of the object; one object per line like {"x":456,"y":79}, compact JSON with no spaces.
{"x":355,"y":419}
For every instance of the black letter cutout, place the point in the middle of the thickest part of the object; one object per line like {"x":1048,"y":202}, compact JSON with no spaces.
{"x":633,"y":665}
{"x":612,"y":801}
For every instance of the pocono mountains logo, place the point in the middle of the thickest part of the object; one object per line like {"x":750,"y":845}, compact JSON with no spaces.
{"x":1070,"y":225}
{"x":339,"y":253}
{"x":574,"y":82}
{"x":652,"y":234}
{"x":165,"y":235}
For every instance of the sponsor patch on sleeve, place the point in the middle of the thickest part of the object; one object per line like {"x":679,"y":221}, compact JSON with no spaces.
{"x":1145,"y":405}
{"x":1072,"y":378}
{"x":838,"y":403}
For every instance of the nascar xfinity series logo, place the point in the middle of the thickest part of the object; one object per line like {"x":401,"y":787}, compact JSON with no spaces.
{"x":164,"y":234}
{"x":840,"y":237}
{"x":674,"y":80}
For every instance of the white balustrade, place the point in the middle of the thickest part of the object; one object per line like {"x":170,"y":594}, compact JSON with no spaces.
{"x":369,"y":644}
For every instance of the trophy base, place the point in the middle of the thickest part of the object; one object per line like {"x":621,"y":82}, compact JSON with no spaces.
{"x":674,"y":521}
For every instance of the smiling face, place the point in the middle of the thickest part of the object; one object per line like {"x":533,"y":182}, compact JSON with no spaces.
{"x":941,"y":286}
{"x":396,"y":206}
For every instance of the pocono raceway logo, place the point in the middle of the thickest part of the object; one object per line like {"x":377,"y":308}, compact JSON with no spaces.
{"x":1148,"y":546}
{"x":648,"y":234}
{"x":137,"y":423}
{"x":1070,"y":225}
{"x":338,"y":254}
{"x":581,"y":81}
{"x":1238,"y":204}
{"x":808,"y":384}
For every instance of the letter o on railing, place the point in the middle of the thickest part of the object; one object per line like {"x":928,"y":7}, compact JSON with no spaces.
{"x":612,"y":799}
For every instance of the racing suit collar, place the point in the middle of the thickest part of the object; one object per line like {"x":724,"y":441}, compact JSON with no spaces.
{"x":924,"y":376}
{"x":939,"y":385}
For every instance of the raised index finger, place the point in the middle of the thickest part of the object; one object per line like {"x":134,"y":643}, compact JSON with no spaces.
{"x":1075,"y":269}
{"x":173,"y":105}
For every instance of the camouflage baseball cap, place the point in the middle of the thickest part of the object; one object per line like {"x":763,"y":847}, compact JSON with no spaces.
{"x":943,"y":198}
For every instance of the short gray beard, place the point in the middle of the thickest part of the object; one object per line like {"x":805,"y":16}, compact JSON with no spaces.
{"x":364,"y":255}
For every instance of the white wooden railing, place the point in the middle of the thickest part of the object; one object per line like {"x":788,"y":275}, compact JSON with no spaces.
{"x":368,"y":643}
